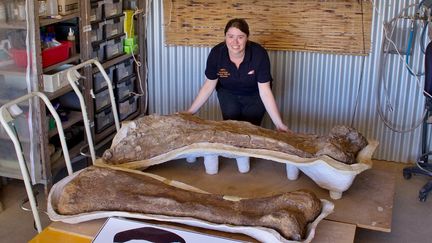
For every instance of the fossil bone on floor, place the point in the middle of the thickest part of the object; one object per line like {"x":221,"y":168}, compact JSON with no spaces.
{"x":332,"y":161}
{"x":279,"y":218}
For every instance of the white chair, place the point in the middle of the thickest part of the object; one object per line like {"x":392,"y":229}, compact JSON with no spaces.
{"x":7,"y":115}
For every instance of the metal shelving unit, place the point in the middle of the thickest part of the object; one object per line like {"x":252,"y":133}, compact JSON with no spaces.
{"x":44,"y":164}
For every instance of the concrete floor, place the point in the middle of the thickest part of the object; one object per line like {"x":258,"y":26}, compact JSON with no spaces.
{"x":411,"y":219}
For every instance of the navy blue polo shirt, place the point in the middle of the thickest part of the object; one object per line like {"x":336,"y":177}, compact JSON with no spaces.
{"x":254,"y":69}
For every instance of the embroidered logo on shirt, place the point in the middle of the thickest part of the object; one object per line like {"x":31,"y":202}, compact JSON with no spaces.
{"x":251,"y":72}
{"x":223,"y":73}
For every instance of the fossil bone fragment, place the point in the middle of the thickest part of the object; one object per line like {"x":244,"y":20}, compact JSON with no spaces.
{"x":331,"y":161}
{"x":95,"y":189}
{"x":153,"y":135}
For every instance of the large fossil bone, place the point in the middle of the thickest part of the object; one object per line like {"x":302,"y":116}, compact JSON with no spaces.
{"x":153,"y":135}
{"x":331,"y":161}
{"x":94,"y":189}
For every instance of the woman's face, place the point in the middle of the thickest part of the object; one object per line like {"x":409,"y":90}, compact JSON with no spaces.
{"x":235,"y":40}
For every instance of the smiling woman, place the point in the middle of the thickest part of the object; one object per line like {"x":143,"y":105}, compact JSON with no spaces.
{"x":239,"y":70}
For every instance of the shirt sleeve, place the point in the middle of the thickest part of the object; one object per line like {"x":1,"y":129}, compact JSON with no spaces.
{"x":264,"y":75}
{"x":211,"y":67}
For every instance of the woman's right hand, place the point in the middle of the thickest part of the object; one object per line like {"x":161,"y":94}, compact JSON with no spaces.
{"x":187,"y":112}
{"x":283,"y":128}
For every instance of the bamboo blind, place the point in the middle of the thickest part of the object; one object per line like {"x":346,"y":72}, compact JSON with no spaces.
{"x":329,"y":26}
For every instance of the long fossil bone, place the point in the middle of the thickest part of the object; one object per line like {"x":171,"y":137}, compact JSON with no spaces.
{"x":104,"y":189}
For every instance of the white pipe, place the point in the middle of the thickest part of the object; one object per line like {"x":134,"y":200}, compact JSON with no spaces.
{"x":4,"y":115}
{"x":72,"y":80}
{"x":84,"y":114}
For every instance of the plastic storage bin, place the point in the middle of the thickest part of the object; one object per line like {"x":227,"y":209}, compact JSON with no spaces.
{"x":96,"y":33}
{"x":96,"y":10}
{"x":70,"y":101}
{"x":112,"y":27}
{"x":114,"y":47}
{"x":98,"y":80}
{"x":99,"y":50}
{"x":124,"y":69}
{"x":112,"y":7}
{"x":127,"y":106}
{"x":56,"y":54}
{"x":125,"y":87}
{"x":19,"y":56}
{"x":130,"y":4}
{"x":103,"y":120}
{"x":102,"y":99}
{"x":50,"y":56}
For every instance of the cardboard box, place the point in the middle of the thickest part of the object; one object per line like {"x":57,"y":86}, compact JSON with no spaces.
{"x":66,"y":7}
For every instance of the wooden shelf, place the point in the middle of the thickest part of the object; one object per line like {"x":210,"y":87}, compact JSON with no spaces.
{"x":74,"y":117}
{"x":22,"y":25}
{"x":67,"y":61}
{"x":44,"y":21}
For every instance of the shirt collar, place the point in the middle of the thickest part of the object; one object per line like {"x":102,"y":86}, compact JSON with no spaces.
{"x":248,"y":54}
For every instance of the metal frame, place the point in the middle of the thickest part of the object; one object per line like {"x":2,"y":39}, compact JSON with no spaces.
{"x":5,"y":117}
{"x":73,"y":77}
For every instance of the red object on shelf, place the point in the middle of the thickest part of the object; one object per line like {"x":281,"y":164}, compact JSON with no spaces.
{"x":19,"y":56}
{"x":50,"y":56}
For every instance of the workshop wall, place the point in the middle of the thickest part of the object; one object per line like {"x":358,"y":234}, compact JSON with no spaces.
{"x":314,"y":91}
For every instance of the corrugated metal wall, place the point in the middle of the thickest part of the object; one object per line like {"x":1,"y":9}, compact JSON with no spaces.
{"x":314,"y":91}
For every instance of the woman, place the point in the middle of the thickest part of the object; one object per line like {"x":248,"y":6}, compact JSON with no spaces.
{"x":239,"y":70}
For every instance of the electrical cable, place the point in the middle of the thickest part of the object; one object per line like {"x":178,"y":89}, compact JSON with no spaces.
{"x":387,"y":122}
{"x":402,"y":59}
{"x":147,"y":16}
{"x":358,"y":91}
{"x":385,"y":45}
{"x":422,"y":38}
{"x":362,"y":70}
{"x":138,"y":64}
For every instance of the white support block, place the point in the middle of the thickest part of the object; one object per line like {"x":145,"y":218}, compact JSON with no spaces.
{"x":191,"y":159}
{"x":335,"y":195}
{"x":211,"y":163}
{"x":292,"y":172}
{"x":243,"y":164}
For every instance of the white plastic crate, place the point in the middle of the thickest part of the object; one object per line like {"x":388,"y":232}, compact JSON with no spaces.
{"x":56,"y":79}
